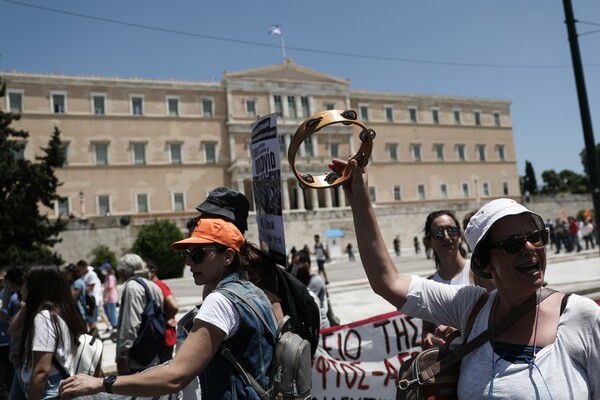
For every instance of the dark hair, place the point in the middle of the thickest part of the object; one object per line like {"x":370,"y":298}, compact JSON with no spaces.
{"x":191,"y":224}
{"x":48,"y":289}
{"x":303,"y":256}
{"x":14,"y":274}
{"x":427,"y":230}
{"x":303,"y":275}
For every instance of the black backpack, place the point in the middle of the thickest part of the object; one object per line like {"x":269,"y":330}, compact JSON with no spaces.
{"x":90,"y":305}
{"x":151,"y":335}
{"x":300,"y":306}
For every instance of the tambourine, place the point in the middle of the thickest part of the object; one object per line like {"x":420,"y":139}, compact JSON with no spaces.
{"x":312,"y":125}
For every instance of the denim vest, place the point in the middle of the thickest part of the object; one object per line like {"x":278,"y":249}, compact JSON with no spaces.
{"x":252,"y":345}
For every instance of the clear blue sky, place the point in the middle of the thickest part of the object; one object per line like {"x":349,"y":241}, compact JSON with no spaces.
{"x":506,"y":49}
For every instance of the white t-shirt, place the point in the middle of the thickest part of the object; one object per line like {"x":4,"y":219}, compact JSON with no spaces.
{"x":219,"y":311}
{"x":91,"y":278}
{"x":463,"y":278}
{"x":568,"y":369}
{"x":45,"y":340}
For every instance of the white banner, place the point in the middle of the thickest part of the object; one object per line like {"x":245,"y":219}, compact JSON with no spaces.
{"x":361,"y":360}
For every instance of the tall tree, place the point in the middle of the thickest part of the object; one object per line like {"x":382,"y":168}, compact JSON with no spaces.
{"x":27,"y":235}
{"x":529,"y":180}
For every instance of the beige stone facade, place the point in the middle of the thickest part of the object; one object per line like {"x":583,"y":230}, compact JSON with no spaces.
{"x":153,"y":149}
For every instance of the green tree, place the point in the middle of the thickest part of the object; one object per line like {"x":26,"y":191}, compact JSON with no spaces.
{"x":101,"y":255}
{"x":154,"y":242}
{"x":25,"y":234}
{"x":529,"y":180}
{"x":574,"y":182}
{"x":552,"y":182}
{"x":584,"y":160}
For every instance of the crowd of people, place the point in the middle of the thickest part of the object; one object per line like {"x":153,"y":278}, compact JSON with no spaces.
{"x":551,"y":350}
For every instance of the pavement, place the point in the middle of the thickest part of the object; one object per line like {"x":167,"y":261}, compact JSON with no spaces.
{"x":354,"y":300}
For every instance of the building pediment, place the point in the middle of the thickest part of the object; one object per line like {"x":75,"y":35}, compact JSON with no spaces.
{"x":288,"y":71}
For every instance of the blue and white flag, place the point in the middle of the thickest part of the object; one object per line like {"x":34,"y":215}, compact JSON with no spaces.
{"x":275,"y":30}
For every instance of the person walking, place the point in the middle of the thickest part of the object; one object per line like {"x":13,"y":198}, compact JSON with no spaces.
{"x":350,"y":252}
{"x":110,"y":296}
{"x":314,"y":283}
{"x":51,"y":326}
{"x":213,"y":254}
{"x":133,"y":302}
{"x":551,"y":351}
{"x":397,"y":245}
{"x":322,"y":256}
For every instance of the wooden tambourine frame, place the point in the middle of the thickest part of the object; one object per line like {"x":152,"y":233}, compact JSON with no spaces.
{"x":312,"y":125}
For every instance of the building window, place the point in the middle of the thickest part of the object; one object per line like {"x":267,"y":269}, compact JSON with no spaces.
{"x":139,"y":153}
{"x":251,"y":108}
{"x":389,"y":114}
{"x":364,"y":113}
{"x":175,"y":153}
{"x":477,"y":115}
{"x":460,"y":152}
{"x":497,"y":119}
{"x":103,"y":206}
{"x":15,"y":102}
{"x":173,"y":106}
{"x":63,"y":206}
{"x":486,"y":189}
{"x":282,"y":146}
{"x":292,"y":111}
{"x":412,"y":112}
{"x":101,"y":153}
{"x":439,"y":151}
{"x":457,"y":117}
{"x":465,"y":189}
{"x":443,"y":191}
{"x":210,"y":152}
{"x":19,"y":149}
{"x":397,"y":193}
{"x":207,"y":108}
{"x":305,"y":106}
{"x":393,"y":151}
{"x":505,"y":188}
{"x":65,"y":149}
{"x":416,"y":151}
{"x":99,"y":104}
{"x":278,"y":105}
{"x":59,"y":103}
{"x":309,"y":148}
{"x":141,"y":200}
{"x":421,"y":191}
{"x":330,"y":106}
{"x":178,"y":202}
{"x":372,"y":193}
{"x":334,"y":149}
{"x":500,"y":152}
{"x":435,"y":115}
{"x":480,"y":151}
{"x":137,"y":105}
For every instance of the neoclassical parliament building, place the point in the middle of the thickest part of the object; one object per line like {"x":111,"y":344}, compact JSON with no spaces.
{"x":151,"y":149}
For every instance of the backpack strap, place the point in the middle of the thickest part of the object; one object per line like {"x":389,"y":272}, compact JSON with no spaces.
{"x":467,"y":348}
{"x":141,"y":282}
{"x":472,"y":317}
{"x":252,"y":306}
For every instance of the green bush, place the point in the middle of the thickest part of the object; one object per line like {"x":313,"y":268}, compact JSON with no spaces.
{"x":154,"y":243}
{"x":101,"y":255}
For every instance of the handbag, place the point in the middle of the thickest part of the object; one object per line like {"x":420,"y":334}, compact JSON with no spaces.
{"x":433,"y":374}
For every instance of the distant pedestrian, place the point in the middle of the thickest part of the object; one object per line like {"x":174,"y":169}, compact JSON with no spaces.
{"x":574,"y":234}
{"x":110,"y":296}
{"x":171,"y":308}
{"x":416,"y":243}
{"x":322,"y":256}
{"x":350,"y":251}
{"x":93,"y":286}
{"x":314,"y":283}
{"x":587,"y":232}
{"x":397,"y":246}
{"x":75,"y":279}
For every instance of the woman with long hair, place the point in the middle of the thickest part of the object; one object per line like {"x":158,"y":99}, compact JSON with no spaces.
{"x":213,"y":253}
{"x":50,"y":324}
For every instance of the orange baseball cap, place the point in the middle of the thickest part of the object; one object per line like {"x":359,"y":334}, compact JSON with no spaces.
{"x":213,"y":230}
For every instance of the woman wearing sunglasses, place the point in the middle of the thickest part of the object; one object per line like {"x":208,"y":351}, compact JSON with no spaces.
{"x":551,"y":351}
{"x":213,"y":255}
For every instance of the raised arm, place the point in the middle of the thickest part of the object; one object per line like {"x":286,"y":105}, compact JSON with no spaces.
{"x":383,"y":276}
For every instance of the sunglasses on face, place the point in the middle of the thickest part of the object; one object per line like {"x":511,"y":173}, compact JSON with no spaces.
{"x":516,"y":244}
{"x":438,"y":233}
{"x":196,"y":255}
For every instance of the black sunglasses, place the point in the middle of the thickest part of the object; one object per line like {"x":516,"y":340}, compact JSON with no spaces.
{"x":197,"y":254}
{"x":515,"y":244}
{"x":438,"y":233}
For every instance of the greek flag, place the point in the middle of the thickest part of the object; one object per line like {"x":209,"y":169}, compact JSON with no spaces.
{"x":275,"y":30}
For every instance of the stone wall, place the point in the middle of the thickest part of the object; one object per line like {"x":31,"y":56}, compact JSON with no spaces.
{"x":405,"y":220}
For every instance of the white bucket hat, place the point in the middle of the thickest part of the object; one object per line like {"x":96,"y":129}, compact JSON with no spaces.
{"x":480,"y":224}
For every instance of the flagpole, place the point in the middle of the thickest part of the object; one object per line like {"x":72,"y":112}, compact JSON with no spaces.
{"x":283,"y":46}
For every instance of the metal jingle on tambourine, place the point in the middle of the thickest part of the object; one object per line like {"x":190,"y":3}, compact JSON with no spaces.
{"x":313,"y":124}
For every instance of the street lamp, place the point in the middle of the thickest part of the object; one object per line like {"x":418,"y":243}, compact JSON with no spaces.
{"x":81,"y":204}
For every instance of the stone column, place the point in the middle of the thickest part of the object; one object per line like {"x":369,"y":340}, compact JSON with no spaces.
{"x":240,"y":186}
{"x":328,"y":198}
{"x":300,"y":194}
{"x":285,"y":194}
{"x":314,"y":199}
{"x":341,"y":196}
